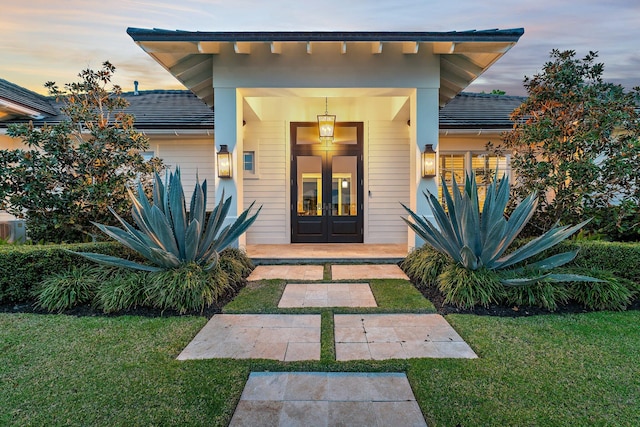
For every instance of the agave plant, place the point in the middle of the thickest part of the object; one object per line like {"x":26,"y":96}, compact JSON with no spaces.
{"x":168,"y":235}
{"x":478,"y":239}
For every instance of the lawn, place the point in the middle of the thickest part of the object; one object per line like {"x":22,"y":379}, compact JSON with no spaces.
{"x":581,"y":369}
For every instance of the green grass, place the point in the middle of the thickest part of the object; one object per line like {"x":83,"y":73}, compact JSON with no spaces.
{"x":552,"y":370}
{"x":392,"y":296}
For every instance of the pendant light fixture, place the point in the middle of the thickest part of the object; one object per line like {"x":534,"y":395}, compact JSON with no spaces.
{"x":326,"y":124}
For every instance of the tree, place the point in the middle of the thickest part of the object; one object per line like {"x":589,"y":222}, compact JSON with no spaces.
{"x":575,"y":141}
{"x":69,"y":173}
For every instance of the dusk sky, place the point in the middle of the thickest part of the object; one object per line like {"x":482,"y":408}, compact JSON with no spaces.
{"x":43,"y":40}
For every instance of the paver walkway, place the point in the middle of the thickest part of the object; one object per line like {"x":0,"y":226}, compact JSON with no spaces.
{"x":327,"y":399}
{"x":367,"y":271}
{"x":397,"y":336}
{"x":327,"y":295}
{"x":284,"y":337}
{"x":289,"y":272}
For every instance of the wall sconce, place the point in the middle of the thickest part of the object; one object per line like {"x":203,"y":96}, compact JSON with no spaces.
{"x":428,"y":162}
{"x":224,"y":162}
{"x":326,"y":124}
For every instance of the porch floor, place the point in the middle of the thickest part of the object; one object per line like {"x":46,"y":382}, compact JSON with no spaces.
{"x":318,"y":253}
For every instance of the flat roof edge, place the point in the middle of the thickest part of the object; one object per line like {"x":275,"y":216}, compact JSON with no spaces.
{"x":494,"y":35}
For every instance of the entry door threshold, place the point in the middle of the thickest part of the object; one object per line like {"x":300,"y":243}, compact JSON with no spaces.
{"x":315,"y":261}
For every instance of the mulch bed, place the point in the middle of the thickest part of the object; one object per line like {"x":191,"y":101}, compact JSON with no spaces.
{"x":432,"y":294}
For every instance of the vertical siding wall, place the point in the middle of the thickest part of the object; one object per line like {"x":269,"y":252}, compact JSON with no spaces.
{"x":387,"y":163}
{"x":268,"y":139}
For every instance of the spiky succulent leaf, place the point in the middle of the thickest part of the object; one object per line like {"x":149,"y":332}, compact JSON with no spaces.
{"x":549,"y":277}
{"x":551,"y":262}
{"x":539,"y":244}
{"x":116,"y":262}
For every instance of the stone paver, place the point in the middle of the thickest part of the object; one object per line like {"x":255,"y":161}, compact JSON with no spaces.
{"x":397,"y":336}
{"x":289,"y":272}
{"x":327,"y":295}
{"x":282,"y":337}
{"x":367,"y":271}
{"x":327,"y":399}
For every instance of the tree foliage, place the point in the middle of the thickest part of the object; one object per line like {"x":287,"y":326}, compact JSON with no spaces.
{"x":575,"y":141}
{"x":68,"y":173}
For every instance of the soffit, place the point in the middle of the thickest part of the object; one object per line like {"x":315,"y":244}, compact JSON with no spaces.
{"x":188,"y":56}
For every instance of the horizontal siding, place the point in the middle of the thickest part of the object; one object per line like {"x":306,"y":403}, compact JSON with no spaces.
{"x":194,"y":157}
{"x":388,"y":184}
{"x":269,"y":189}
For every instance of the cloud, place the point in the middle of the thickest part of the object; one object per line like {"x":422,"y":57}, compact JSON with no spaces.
{"x":41,"y":36}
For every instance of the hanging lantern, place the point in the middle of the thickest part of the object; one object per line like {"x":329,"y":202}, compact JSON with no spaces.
{"x":428,"y":162}
{"x":224,"y":162}
{"x":326,"y":125}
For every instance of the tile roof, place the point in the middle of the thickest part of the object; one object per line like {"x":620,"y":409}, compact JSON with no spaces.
{"x":479,"y":111}
{"x":152,"y":109}
{"x":19,"y":95}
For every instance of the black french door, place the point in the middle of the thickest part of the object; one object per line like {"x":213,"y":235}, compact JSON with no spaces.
{"x":327,"y":184}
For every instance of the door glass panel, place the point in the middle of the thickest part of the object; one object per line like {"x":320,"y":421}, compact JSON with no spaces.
{"x":344,"y":179}
{"x":309,"y":185}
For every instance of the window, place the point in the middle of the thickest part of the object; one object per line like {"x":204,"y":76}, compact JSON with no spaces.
{"x":483,"y":164}
{"x":250,"y":164}
{"x":249,"y":161}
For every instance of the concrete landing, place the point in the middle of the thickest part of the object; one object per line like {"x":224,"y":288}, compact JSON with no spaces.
{"x":327,"y":399}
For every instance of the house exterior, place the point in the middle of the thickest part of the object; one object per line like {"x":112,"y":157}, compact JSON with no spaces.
{"x":392,"y":94}
{"x":386,"y":90}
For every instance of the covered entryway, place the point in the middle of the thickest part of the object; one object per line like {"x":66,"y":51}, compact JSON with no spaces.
{"x":261,"y":82}
{"x":327,"y":184}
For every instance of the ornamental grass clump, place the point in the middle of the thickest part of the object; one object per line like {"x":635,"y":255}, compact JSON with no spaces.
{"x":477,"y":243}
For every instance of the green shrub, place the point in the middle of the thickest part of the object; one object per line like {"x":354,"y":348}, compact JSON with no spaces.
{"x":125,"y":289}
{"x":188,"y":288}
{"x":23,"y":267}
{"x":236,"y":263}
{"x":543,"y":294}
{"x":424,"y":265}
{"x":65,"y":290}
{"x":466,"y":288}
{"x":610,"y":294}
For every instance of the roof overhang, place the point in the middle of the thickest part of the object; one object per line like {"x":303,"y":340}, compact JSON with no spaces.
{"x":188,"y":56}
{"x":10,"y":110}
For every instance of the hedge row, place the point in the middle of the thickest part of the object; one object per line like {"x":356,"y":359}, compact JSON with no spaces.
{"x":23,"y":267}
{"x":621,"y":259}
